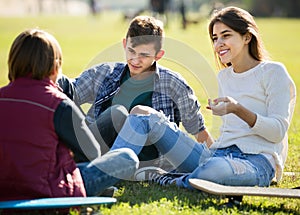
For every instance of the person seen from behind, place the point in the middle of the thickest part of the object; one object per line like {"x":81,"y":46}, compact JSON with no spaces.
{"x":43,"y":133}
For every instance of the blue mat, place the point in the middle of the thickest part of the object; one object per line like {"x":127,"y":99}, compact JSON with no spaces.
{"x":64,"y":202}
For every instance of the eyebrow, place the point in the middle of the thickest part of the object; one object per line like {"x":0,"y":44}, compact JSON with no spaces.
{"x":142,"y":53}
{"x":223,"y":32}
{"x":131,"y":49}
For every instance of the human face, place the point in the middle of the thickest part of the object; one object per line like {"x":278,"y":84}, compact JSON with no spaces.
{"x":140,"y":58}
{"x":229,"y":45}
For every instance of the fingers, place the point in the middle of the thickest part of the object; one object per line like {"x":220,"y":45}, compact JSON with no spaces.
{"x":142,"y":110}
{"x":218,"y":106}
{"x":217,"y":101}
{"x":221,"y":99}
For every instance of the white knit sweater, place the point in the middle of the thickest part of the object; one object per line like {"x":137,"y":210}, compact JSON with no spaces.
{"x":268,"y":91}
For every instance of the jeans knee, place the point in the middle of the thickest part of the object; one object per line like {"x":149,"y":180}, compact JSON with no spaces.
{"x":128,"y":155}
{"x":118,"y":114}
{"x":158,"y":124}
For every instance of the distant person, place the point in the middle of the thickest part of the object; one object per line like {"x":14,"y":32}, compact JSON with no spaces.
{"x":159,"y":6}
{"x":159,"y":9}
{"x":256,"y":103}
{"x":93,"y":6}
{"x":182,"y":10}
{"x":41,"y":129}
{"x":115,"y":88}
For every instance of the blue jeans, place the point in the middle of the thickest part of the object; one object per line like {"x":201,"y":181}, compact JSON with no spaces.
{"x":107,"y":170}
{"x":107,"y":127}
{"x":228,"y":166}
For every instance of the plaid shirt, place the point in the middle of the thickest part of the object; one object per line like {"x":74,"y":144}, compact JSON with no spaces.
{"x":171,"y":94}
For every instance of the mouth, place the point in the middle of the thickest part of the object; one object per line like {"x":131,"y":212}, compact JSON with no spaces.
{"x":134,"y":66}
{"x":223,"y":52}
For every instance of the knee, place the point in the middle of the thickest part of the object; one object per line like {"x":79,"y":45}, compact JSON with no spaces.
{"x":129,"y":156}
{"x":119,"y":111}
{"x":119,"y":114}
{"x":136,"y":109}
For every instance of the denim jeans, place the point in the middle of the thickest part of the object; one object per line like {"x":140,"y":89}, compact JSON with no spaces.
{"x":228,"y":166}
{"x":107,"y":127}
{"x":107,"y":170}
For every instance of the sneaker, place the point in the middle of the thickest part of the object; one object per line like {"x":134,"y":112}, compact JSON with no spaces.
{"x":164,"y":180}
{"x":109,"y":192}
{"x":167,"y":178}
{"x":148,"y":173}
{"x":156,"y":175}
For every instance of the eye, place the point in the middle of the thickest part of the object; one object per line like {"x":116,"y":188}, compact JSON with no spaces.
{"x":131,"y":51}
{"x":226,"y":35}
{"x":144,"y":55}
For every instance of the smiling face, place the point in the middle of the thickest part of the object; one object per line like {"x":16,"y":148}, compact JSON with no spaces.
{"x":229,"y":45}
{"x":141,"y":57}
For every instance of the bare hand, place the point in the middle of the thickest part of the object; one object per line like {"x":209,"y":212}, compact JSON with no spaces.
{"x":222,"y":106}
{"x":142,"y":110}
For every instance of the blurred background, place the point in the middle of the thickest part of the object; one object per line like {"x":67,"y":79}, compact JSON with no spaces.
{"x":263,"y":8}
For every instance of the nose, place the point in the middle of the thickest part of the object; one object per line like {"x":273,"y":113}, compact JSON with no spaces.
{"x":218,"y":43}
{"x":132,"y":56}
{"x":135,"y":59}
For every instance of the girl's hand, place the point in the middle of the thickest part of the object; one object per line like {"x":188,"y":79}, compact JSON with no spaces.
{"x":222,"y":106}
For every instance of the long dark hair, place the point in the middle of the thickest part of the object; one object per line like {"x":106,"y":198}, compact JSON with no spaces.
{"x":242,"y":22}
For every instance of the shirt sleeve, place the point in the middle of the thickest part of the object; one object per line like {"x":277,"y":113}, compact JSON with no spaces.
{"x":72,"y":130}
{"x":189,"y":108}
{"x":87,"y":85}
{"x":281,"y":96}
{"x":66,"y":85}
{"x":80,"y":89}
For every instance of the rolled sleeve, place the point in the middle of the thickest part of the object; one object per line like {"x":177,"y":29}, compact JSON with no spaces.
{"x":189,"y":109}
{"x":272,"y":129}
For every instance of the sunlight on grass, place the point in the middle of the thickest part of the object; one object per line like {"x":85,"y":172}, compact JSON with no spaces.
{"x":84,"y":37}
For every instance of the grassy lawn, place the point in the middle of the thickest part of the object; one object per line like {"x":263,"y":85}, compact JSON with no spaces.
{"x":89,"y":40}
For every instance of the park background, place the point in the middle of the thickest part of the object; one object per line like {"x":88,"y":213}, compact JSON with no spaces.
{"x":89,"y":37}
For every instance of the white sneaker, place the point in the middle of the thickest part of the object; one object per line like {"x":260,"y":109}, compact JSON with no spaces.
{"x":148,"y":173}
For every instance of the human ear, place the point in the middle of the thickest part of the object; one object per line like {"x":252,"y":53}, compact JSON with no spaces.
{"x":124,"y":43}
{"x":54,"y":74}
{"x":248,"y":37}
{"x":159,"y":55}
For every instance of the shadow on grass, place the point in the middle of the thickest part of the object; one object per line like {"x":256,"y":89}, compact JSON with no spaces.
{"x":138,"y":193}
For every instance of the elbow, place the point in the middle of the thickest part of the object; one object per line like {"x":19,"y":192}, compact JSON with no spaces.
{"x":278,"y":137}
{"x":272,"y":129}
{"x":279,"y":132}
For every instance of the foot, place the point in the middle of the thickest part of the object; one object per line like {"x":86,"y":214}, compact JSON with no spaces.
{"x":148,"y":173}
{"x":156,"y":175}
{"x":109,"y":192}
{"x":165,"y":179}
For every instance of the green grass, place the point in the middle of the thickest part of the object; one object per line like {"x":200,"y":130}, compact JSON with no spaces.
{"x":86,"y":39}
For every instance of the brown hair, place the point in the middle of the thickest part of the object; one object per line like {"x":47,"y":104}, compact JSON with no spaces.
{"x":34,"y":53}
{"x":242,"y":22}
{"x":145,"y":30}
